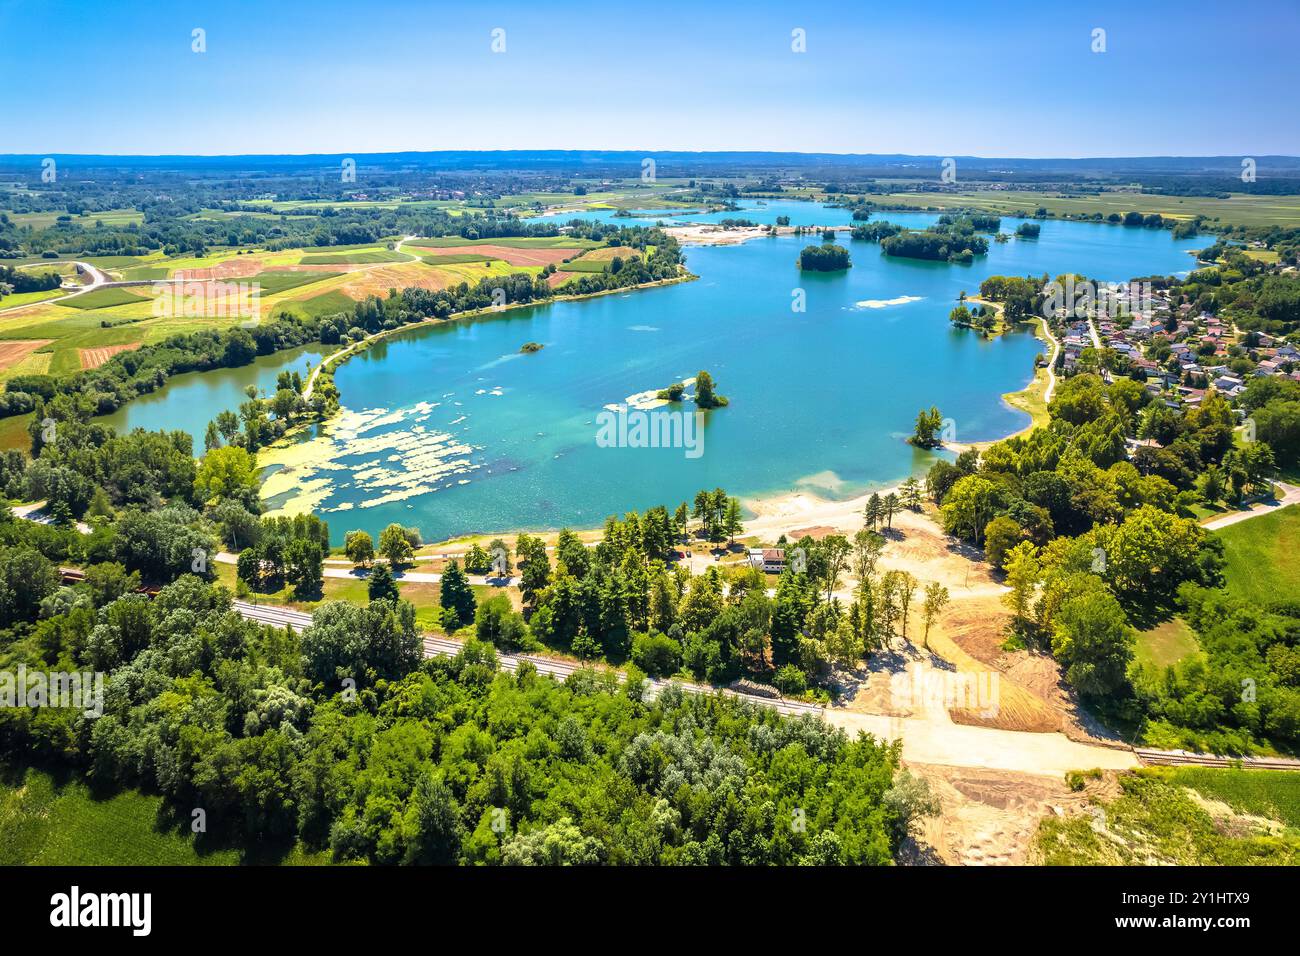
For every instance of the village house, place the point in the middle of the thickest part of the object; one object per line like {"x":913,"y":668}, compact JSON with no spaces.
{"x":767,"y":560}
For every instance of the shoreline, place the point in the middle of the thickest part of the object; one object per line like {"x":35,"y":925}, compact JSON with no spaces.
{"x":281,"y":451}
{"x":777,"y":512}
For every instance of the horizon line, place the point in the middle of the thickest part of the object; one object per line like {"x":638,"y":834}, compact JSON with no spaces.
{"x":650,"y":152}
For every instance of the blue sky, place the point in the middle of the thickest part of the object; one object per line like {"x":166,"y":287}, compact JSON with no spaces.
{"x":988,"y":79}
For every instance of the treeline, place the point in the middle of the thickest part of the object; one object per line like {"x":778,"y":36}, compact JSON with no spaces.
{"x":1021,"y":299}
{"x":129,"y":374}
{"x":875,"y":231}
{"x":628,"y":598}
{"x":1241,"y":691}
{"x":17,"y":281}
{"x":968,"y":221}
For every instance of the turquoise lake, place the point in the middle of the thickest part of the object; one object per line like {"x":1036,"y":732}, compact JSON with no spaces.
{"x":451,"y":429}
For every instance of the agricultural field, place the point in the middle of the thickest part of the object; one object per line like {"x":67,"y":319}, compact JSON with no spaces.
{"x":1261,"y":556}
{"x":103,"y":299}
{"x":273,"y":283}
{"x":598,"y":260}
{"x":30,"y":298}
{"x":109,"y":217}
{"x":457,"y":259}
{"x":14,"y":355}
{"x":1240,"y":209}
{"x":364,"y":257}
{"x":321,"y":303}
{"x":60,"y":337}
{"x":112,"y":263}
{"x":510,"y":242}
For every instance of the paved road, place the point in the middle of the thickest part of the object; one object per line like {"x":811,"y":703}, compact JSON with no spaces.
{"x":1051,"y":362}
{"x":1092,"y":331}
{"x":1290,"y":496}
{"x":98,"y":279}
{"x":930,"y":738}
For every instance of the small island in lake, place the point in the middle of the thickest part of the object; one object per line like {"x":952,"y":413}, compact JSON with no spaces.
{"x":705,"y":396}
{"x":953,"y":242}
{"x":529,"y":347}
{"x":828,"y":257}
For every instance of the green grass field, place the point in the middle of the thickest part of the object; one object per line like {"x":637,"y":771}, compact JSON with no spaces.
{"x":146,"y":272}
{"x":422,"y":595}
{"x":1158,"y":820}
{"x":30,"y":298}
{"x":116,"y":262}
{"x":49,"y":820}
{"x":584,"y":265}
{"x":104,"y":299}
{"x":13,"y":433}
{"x":1242,"y":209}
{"x":327,"y":303}
{"x":353,"y":258}
{"x":1264,"y":793}
{"x":1261,"y":556}
{"x":456,"y":259}
{"x":510,"y":242}
{"x":109,"y":217}
{"x":274,"y":282}
{"x":1167,"y":643}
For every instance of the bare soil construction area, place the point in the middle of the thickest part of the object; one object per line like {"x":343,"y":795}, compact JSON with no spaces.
{"x":990,"y":817}
{"x":967,"y":637}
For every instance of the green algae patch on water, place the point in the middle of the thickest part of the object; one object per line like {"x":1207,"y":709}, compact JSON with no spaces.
{"x":396,"y":464}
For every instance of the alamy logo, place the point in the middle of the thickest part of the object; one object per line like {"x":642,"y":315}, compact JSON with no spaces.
{"x":1085,"y":299}
{"x":637,"y":428}
{"x":924,"y":687}
{"x":32,"y":689}
{"x":73,"y":909}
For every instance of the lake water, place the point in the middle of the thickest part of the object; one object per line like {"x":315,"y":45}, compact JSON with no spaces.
{"x":192,"y":400}
{"x":450,"y":428}
{"x":800,"y":214}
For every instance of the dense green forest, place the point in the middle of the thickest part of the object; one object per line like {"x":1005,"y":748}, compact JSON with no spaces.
{"x":343,"y":739}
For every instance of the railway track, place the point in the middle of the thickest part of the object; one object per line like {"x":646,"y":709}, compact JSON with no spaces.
{"x":435,"y":646}
{"x":1181,"y":758}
